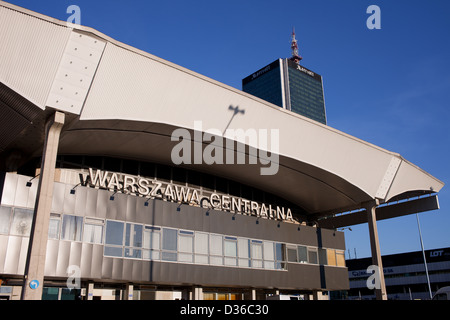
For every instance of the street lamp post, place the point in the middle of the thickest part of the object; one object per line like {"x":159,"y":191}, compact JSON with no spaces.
{"x":424,"y":258}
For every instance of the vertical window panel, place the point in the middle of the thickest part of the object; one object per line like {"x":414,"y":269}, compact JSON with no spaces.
{"x":21,"y":222}
{"x":230,"y":246}
{"x":114,"y":233}
{"x":331,"y":257}
{"x":216,"y":250}
{"x":340,"y":258}
{"x":230,"y":249}
{"x":186,"y":246}
{"x":54,"y":225}
{"x":269,"y":255}
{"x":257,"y":254}
{"x":201,"y":248}
{"x":280,"y":255}
{"x":244,"y":248}
{"x":216,"y":245}
{"x":152,"y":238}
{"x":169,"y":239}
{"x":72,"y":227}
{"x":292,"y":254}
{"x":201,"y":243}
{"x":169,"y":245}
{"x":93,"y":233}
{"x":302,"y":253}
{"x":5,"y":217}
{"x":133,"y":235}
{"x":151,"y":241}
{"x":312,"y":256}
{"x":268,"y":251}
{"x":186,"y":242}
{"x":244,"y":252}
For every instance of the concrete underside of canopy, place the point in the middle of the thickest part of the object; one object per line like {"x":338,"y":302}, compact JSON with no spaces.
{"x":311,"y":188}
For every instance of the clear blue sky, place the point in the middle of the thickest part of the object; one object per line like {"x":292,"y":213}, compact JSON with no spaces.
{"x":390,"y":87}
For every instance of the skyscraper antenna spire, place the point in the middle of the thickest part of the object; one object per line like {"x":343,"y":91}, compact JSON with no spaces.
{"x":294,"y":47}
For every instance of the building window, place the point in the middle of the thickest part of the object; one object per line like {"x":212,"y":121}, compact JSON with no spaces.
{"x":216,"y":249}
{"x":114,"y":233}
{"x":50,"y":293}
{"x":230,"y":248}
{"x":133,"y":240}
{"x":54,"y":225}
{"x":5,"y":217}
{"x":201,"y":247}
{"x":137,"y":241}
{"x":257,"y":253}
{"x":292,"y":254}
{"x":269,"y":255}
{"x":114,"y":238}
{"x":331,"y":257}
{"x":185,"y":246}
{"x":169,"y":244}
{"x":72,"y":227}
{"x":312,"y":255}
{"x":133,"y":235}
{"x":152,"y":243}
{"x":302,"y":253}
{"x":93,"y":230}
{"x":340,"y":258}
{"x":21,"y":222}
{"x":244,"y":252}
{"x":280,"y":256}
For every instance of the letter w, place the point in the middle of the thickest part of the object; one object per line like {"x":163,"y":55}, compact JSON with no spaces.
{"x":182,"y":194}
{"x":99,"y":178}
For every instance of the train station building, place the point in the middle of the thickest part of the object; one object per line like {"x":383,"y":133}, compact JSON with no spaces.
{"x":125,"y":176}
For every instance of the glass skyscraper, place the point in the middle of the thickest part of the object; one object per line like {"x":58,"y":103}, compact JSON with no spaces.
{"x":290,"y":86}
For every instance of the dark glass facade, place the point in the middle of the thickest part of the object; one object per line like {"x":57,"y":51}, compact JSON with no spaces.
{"x":302,"y":88}
{"x":265,"y":84}
{"x":306,"y":94}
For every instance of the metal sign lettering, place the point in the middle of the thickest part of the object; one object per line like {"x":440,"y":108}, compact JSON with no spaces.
{"x":153,"y":189}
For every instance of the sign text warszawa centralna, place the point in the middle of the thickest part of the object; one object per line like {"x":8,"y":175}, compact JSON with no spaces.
{"x":154,"y":189}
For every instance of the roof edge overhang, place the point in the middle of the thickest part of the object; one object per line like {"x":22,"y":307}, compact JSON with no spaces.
{"x":390,"y":210}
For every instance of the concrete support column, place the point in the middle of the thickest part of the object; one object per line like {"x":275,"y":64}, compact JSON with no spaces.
{"x":90,"y":291}
{"x":34,"y":268}
{"x":186,"y":294}
{"x":128,"y":292}
{"x":380,"y":286}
